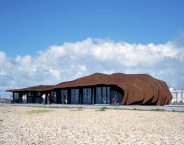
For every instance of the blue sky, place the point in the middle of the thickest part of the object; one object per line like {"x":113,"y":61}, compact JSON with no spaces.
{"x":65,"y":39}
{"x":28,"y":26}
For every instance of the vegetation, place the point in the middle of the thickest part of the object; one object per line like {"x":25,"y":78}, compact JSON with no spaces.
{"x":177,"y":103}
{"x":102,"y":109}
{"x":136,"y":109}
{"x":121,"y":109}
{"x":156,"y":110}
{"x":38,"y":111}
{"x":77,"y":109}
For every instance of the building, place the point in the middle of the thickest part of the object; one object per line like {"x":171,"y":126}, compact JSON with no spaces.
{"x":5,"y":100}
{"x":178,"y":95}
{"x":125,"y":89}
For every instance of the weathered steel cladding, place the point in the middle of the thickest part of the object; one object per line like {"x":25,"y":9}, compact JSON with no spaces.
{"x":138,"y":88}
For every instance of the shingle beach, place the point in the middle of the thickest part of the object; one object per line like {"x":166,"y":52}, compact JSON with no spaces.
{"x":75,"y":126}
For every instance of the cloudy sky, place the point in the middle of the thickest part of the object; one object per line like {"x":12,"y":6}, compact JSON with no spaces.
{"x":54,"y":41}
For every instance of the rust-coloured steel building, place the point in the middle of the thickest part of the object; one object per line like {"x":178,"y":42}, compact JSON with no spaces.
{"x":100,"y":88}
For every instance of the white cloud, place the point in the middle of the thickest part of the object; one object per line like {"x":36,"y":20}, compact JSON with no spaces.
{"x":76,"y":59}
{"x":2,"y":58}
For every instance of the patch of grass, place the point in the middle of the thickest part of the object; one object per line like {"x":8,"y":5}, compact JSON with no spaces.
{"x":120,"y":109}
{"x":128,"y":109}
{"x":177,"y":103}
{"x":160,"y":110}
{"x":78,"y":109}
{"x":136,"y":109}
{"x":102,"y":109}
{"x":39,"y":111}
{"x":157,"y":110}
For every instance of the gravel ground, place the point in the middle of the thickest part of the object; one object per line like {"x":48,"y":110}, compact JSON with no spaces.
{"x":23,"y":126}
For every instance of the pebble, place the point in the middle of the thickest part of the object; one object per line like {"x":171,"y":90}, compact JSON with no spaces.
{"x":90,"y":127}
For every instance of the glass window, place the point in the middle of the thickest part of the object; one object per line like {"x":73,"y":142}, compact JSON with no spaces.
{"x":30,"y":94}
{"x":54,"y":96}
{"x":116,"y":93}
{"x":93,"y":95}
{"x":74,"y":96}
{"x":87,"y":94}
{"x":16,"y":95}
{"x":104,"y":96}
{"x":38,"y":94}
{"x":64,"y":93}
{"x":98,"y":95}
{"x":108,"y":95}
{"x":84,"y":101}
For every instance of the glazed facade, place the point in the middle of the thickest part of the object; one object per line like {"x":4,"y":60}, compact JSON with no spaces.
{"x":101,"y":94}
